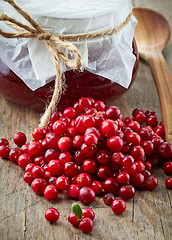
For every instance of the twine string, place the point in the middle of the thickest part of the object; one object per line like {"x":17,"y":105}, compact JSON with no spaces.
{"x":58,"y":45}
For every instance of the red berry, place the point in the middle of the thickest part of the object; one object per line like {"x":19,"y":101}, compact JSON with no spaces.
{"x":55,"y":168}
{"x":52,"y":140}
{"x":28,"y":177}
{"x":60,"y":127}
{"x":65,"y":144}
{"x":88,"y":212}
{"x":88,"y":151}
{"x":115,"y":144}
{"x":56,"y":116}
{"x":111,"y":185}
{"x":86,"y":225}
{"x":4,"y":141}
{"x":40,"y":160}
{"x":99,"y":105}
{"x":168,"y":168}
{"x":168,"y":183}
{"x":35,"y":149}
{"x":140,"y":117}
{"x":94,"y":131}
{"x":152,"y":121}
{"x":123,"y":178}
{"x":38,"y":172}
{"x":84,"y":103}
{"x":109,"y":128}
{"x":133,"y":139}
{"x":137,"y":180}
{"x":148,"y":147}
{"x":131,"y":170}
{"x":140,"y":166}
{"x":19,"y":139}
{"x":52,"y":215}
{"x":78,"y":140}
{"x":90,"y":139}
{"x":165,"y":150}
{"x":127,"y":192}
{"x":38,"y":134}
{"x":87,"y":195}
{"x":104,"y":157}
{"x":138,"y":153}
{"x":50,"y":192}
{"x":104,"y":172}
{"x":4,"y":151}
{"x":70,"y":169}
{"x":96,"y":186}
{"x":108,"y":198}
{"x":72,"y":218}
{"x":89,"y":166}
{"x":69,"y":112}
{"x":83,"y":179}
{"x":151,"y":183}
{"x":51,"y":154}
{"x":62,"y":183}
{"x":135,"y":126}
{"x":14,"y":154}
{"x":73,"y":191}
{"x":113,"y":112}
{"x":118,"y":206}
{"x":29,"y":167}
{"x":24,"y":160}
{"x":38,"y":185}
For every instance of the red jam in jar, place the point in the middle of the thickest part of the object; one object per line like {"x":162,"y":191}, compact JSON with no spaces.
{"x":82,"y":84}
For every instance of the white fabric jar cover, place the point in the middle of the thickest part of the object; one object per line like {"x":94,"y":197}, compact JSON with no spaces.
{"x":109,"y":56}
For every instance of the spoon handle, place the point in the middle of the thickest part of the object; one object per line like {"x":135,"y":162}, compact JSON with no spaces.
{"x":163,"y":80}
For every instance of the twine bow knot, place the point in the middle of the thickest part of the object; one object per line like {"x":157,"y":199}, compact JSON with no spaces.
{"x":58,"y":49}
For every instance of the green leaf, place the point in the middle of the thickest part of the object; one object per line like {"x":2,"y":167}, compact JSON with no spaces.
{"x":77,"y":210}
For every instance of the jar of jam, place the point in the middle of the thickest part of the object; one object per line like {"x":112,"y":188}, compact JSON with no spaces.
{"x":88,"y":82}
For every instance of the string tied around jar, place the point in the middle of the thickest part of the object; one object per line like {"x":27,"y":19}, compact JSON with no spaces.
{"x":58,"y":46}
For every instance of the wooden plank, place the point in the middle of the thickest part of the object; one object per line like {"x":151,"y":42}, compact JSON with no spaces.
{"x":148,"y":216}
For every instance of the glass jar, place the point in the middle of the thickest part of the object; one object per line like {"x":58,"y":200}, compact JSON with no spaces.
{"x":78,"y":84}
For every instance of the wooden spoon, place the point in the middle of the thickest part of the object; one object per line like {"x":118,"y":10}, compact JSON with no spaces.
{"x":152,"y":34}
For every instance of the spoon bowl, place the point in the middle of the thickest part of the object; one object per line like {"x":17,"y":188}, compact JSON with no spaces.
{"x":152,"y":34}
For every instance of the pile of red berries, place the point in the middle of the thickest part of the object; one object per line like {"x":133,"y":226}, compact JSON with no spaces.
{"x":91,"y":148}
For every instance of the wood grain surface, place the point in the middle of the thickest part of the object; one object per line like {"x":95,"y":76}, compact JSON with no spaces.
{"x":148,"y":215}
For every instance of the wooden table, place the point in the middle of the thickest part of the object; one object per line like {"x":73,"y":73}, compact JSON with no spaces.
{"x":148,"y":215}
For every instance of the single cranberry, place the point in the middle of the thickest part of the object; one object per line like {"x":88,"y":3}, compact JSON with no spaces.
{"x":19,"y":139}
{"x":65,"y":144}
{"x":83,"y":179}
{"x":55,"y":168}
{"x":126,"y":130}
{"x":168,"y":183}
{"x":52,"y":215}
{"x":60,"y":127}
{"x":29,"y":167}
{"x":131,"y":170}
{"x":24,"y":160}
{"x":165,"y":150}
{"x":133,"y":139}
{"x":65,"y":157}
{"x":94,"y":131}
{"x":88,"y":212}
{"x":90,"y":139}
{"x":127,"y":192}
{"x":115,"y":144}
{"x":87,"y":195}
{"x":148,"y":147}
{"x":146,"y":173}
{"x":168,"y":168}
{"x":89,"y":166}
{"x":72,"y":180}
{"x":56,"y":116}
{"x":51,"y":154}
{"x":104,"y":172}
{"x":24,"y":148}
{"x":4,"y":141}
{"x":52,"y":140}
{"x":152,"y":121}
{"x":38,"y":172}
{"x":44,"y":144}
{"x":28,"y":177}
{"x":127,"y":120}
{"x":79,"y":157}
{"x":69,"y":112}
{"x":84,"y":103}
{"x":78,"y":140}
{"x":38,"y":185}
{"x":160,"y":131}
{"x":35,"y":149}
{"x":113,"y":112}
{"x":88,"y":151}
{"x":88,"y":121}
{"x":62,"y":183}
{"x":104,"y":157}
{"x":86,"y":225}
{"x":145,"y":134}
{"x":40,"y":160}
{"x":127,"y":161}
{"x":136,"y":110}
{"x":135,"y":126}
{"x":156,"y":140}
{"x":149,"y":113}
{"x":109,"y":128}
{"x":96,"y":186}
{"x":123,"y":178}
{"x":99,"y":105}
{"x":71,"y":132}
{"x":140,"y":166}
{"x":4,"y":151}
{"x":138,"y":153}
{"x":72,"y":218}
{"x":79,"y":124}
{"x":108,"y":198}
{"x":14,"y":154}
{"x":111,"y":185}
{"x":91,"y":111}
{"x":140,"y":117}
{"x":151,"y":182}
{"x":47,"y":176}
{"x":73,"y":191}
{"x":38,"y":134}
{"x":50,"y":192}
{"x":117,"y":160}
{"x":70,"y":169}
{"x":118,"y":206}
{"x":137,"y":180}
{"x":99,"y":118}
{"x":148,"y":166}
{"x":52,"y":180}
